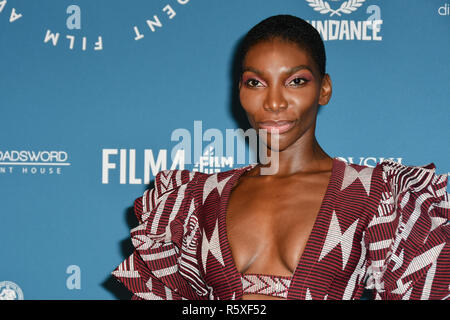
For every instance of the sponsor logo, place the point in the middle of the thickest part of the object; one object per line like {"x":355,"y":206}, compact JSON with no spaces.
{"x":444,"y":10}
{"x":10,"y":291}
{"x":121,"y":163}
{"x":209,"y":163}
{"x":366,"y":30}
{"x":73,"y":22}
{"x":221,"y":151}
{"x":367,"y":161}
{"x":156,"y":22}
{"x":346,"y":7}
{"x":33,"y":162}
{"x":14,"y":14}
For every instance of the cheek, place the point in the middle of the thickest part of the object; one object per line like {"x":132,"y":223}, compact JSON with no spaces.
{"x":303,"y":102}
{"x":251,"y":100}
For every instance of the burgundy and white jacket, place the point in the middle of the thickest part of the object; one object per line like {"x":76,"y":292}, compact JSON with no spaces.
{"x":384,"y":228}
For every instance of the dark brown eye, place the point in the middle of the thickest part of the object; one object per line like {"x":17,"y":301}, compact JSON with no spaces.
{"x":297,"y":82}
{"x":253,"y":83}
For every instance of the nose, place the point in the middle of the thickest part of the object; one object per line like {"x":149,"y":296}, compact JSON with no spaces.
{"x":275,"y":99}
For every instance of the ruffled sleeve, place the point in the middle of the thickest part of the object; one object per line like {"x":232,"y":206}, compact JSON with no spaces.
{"x":408,"y":237}
{"x":161,"y":266}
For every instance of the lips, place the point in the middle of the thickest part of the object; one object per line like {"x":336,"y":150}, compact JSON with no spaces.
{"x":276,"y":126}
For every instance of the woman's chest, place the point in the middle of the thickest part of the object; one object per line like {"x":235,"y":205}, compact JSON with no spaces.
{"x":268,"y":225}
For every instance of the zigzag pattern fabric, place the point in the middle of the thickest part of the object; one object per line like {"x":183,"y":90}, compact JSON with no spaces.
{"x":384,"y":228}
{"x":275,"y":286}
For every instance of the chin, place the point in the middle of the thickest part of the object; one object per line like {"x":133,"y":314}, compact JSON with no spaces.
{"x":284,"y":142}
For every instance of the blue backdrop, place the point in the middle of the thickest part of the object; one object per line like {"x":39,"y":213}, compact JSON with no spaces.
{"x":91,"y":91}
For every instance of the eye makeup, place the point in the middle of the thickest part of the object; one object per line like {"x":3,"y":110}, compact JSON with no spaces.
{"x":248,"y":79}
{"x":302,"y":75}
{"x":252,"y":80}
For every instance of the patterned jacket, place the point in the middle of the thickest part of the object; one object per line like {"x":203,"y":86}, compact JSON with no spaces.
{"x":384,"y":228}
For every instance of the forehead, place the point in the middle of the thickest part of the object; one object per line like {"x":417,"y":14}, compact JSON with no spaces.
{"x":275,"y":54}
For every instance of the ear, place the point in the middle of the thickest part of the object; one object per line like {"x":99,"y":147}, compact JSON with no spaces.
{"x":326,"y":90}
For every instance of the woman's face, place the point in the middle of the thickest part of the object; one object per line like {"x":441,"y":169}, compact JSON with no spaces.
{"x":281,"y":89}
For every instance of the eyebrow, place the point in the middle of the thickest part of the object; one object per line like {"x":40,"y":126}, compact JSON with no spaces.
{"x":289,"y":71}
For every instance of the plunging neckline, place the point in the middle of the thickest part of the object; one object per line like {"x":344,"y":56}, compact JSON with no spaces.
{"x":226,"y":250}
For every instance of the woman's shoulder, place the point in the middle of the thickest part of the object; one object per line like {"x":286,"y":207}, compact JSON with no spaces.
{"x":390,"y":185}
{"x":183,"y":185}
{"x":164,"y":263}
{"x":409,"y":232}
{"x":413,"y":178}
{"x":409,"y":189}
{"x":398,"y":176}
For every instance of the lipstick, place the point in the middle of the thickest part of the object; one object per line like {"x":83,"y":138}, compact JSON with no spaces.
{"x":276,"y":126}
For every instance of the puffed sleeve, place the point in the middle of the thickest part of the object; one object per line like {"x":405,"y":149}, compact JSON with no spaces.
{"x":162,"y":266}
{"x":408,"y":237}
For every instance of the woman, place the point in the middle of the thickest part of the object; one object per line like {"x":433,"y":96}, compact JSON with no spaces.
{"x":318,"y":228}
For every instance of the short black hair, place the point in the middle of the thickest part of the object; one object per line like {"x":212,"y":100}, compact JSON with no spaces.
{"x":289,"y":28}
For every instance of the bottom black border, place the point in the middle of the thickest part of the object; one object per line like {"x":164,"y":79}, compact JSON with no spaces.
{"x":256,"y":309}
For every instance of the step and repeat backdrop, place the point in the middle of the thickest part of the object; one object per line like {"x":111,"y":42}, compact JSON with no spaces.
{"x":96,"y":97}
